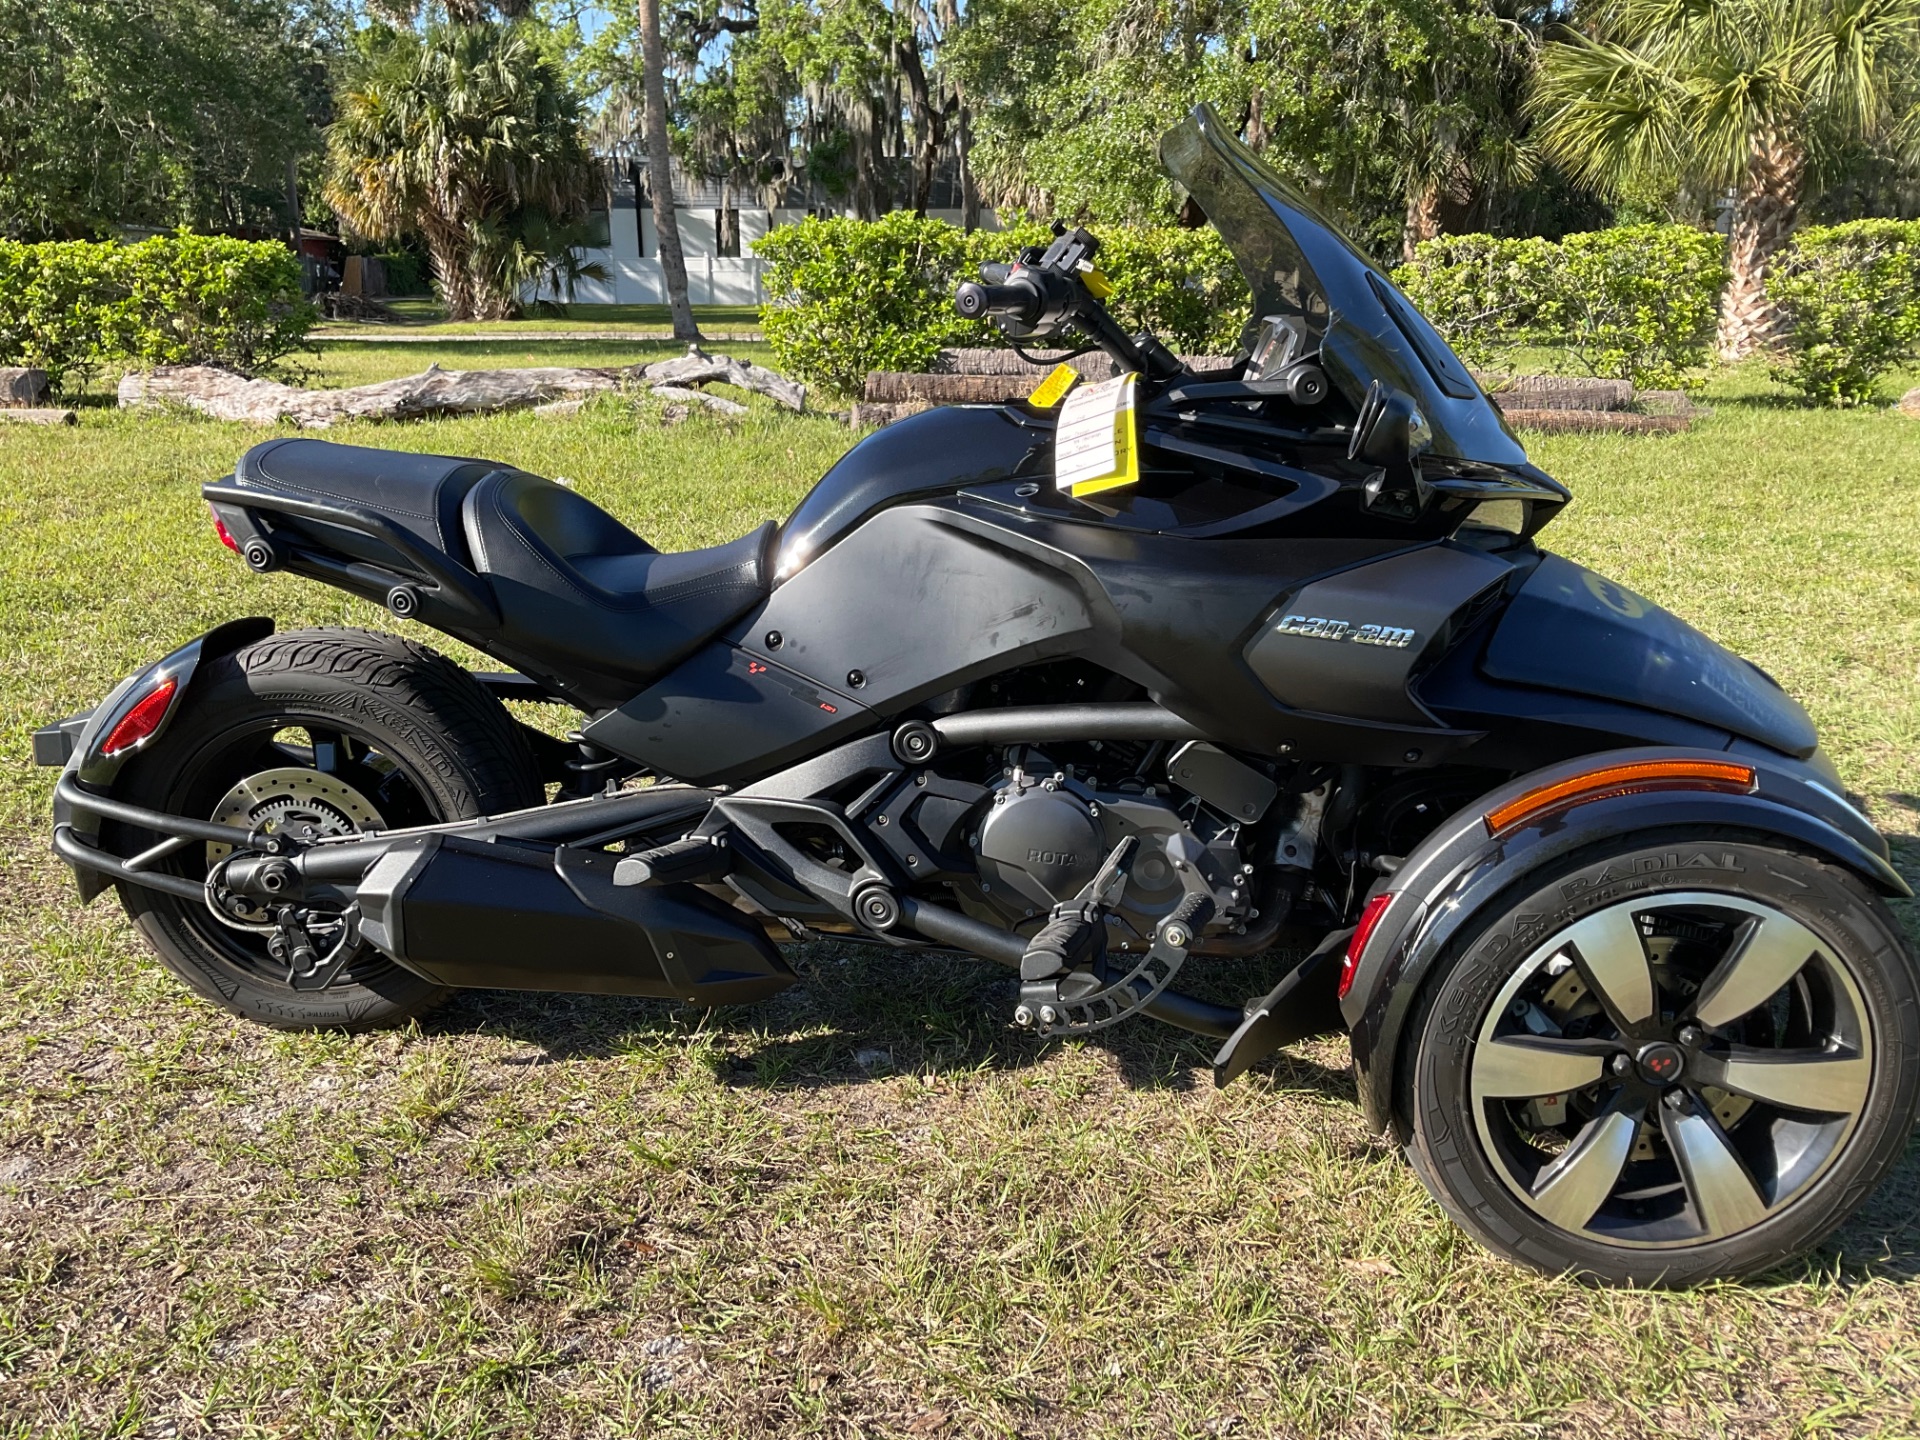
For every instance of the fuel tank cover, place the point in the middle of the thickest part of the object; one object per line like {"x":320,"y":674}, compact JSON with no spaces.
{"x":1572,"y":630}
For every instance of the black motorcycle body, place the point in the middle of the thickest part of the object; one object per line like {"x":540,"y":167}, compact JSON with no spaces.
{"x":1309,"y":678}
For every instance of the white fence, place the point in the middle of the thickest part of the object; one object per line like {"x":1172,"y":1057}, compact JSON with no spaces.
{"x":633,"y":267}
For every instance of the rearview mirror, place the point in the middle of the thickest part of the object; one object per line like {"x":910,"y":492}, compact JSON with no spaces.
{"x":1390,"y":433}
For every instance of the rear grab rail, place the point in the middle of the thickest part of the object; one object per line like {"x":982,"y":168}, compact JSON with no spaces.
{"x":453,"y":584}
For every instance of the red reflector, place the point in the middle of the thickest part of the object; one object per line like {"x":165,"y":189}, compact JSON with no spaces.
{"x":1363,"y":932}
{"x":141,"y":721}
{"x":220,"y":529}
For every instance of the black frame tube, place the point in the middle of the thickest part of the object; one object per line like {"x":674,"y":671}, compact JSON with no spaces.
{"x":559,"y":823}
{"x":82,"y":855}
{"x":1134,"y":720}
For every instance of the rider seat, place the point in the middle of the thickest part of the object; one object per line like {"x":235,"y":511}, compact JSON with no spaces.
{"x":575,"y":587}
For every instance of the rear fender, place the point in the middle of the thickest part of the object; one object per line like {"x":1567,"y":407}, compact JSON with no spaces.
{"x":1461,"y":874}
{"x":98,"y":772}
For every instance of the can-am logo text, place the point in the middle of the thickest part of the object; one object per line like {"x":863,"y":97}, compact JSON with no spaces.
{"x":1316,"y":627}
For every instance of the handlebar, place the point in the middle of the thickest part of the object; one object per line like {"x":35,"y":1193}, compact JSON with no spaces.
{"x":1020,"y":300}
{"x":1045,"y":293}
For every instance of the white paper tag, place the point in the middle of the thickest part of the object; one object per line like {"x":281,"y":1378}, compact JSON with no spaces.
{"x":1093,"y":445}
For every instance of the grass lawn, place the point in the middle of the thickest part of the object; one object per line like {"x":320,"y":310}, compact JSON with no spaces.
{"x":867,"y":1207}
{"x":423,"y":313}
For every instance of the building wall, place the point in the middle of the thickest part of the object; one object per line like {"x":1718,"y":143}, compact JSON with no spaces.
{"x":633,"y":266}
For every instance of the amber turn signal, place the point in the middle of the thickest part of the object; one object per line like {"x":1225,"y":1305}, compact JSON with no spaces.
{"x":1611,"y":780}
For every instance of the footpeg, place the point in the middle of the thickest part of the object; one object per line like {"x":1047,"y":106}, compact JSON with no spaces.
{"x":693,"y":858}
{"x":1083,"y":1001}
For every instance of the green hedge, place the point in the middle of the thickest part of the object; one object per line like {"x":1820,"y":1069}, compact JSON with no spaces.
{"x":851,"y":296}
{"x":1634,"y":303}
{"x":72,"y":307}
{"x":1849,"y":299}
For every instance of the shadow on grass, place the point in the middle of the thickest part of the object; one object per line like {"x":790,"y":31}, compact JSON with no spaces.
{"x":860,"y":1014}
{"x":1882,"y":1242}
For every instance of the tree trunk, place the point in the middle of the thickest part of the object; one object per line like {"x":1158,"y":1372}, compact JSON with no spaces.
{"x":929,"y":123}
{"x":1763,"y":218}
{"x":666,"y":225}
{"x":1423,"y":217}
{"x":969,"y":188}
{"x":450,"y":272}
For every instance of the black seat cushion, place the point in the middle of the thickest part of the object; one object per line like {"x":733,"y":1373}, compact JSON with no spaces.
{"x":422,"y":494}
{"x":574,"y":582}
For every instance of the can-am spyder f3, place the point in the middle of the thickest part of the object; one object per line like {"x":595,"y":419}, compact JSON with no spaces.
{"x":1611,"y":945}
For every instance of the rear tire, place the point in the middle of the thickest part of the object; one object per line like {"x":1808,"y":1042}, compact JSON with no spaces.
{"x":1709,"y":1113}
{"x":391,"y":734}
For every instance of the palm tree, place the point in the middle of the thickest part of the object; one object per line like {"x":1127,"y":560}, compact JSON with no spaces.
{"x":464,"y":134}
{"x":1752,"y":96}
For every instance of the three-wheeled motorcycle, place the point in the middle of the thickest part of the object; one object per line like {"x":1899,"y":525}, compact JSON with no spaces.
{"x":1100,"y":688}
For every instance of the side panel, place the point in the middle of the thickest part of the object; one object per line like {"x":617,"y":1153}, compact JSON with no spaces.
{"x":723,"y":715}
{"x":912,"y":604}
{"x":1572,"y":630}
{"x":1349,"y":644}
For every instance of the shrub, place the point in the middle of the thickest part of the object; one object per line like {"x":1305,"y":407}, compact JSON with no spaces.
{"x":71,"y":307}
{"x":1640,"y":300}
{"x":1481,"y":291}
{"x":1633,"y":303}
{"x":54,"y":307}
{"x":1849,"y":298}
{"x":848,"y":296}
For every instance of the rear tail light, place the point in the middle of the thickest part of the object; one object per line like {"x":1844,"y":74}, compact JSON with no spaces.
{"x":142,"y":720}
{"x":1362,"y":933}
{"x":220,"y":529}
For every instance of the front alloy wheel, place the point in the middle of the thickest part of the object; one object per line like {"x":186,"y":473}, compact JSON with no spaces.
{"x":1687,"y":1074}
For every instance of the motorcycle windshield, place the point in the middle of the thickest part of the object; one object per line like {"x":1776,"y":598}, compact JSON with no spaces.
{"x":1298,"y":265}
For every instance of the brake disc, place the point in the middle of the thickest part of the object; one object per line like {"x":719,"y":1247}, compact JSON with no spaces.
{"x":305,"y":803}
{"x":301,"y":803}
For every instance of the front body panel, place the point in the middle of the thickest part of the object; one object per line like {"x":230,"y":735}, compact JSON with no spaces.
{"x":1580,"y":633}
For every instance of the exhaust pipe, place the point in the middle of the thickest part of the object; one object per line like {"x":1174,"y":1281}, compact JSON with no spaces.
{"x":499,"y":916}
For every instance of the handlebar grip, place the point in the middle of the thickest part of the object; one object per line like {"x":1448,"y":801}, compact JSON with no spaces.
{"x":975,"y":301}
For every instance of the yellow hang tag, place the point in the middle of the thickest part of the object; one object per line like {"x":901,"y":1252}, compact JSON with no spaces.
{"x":1049,"y":392}
{"x":1096,"y":445}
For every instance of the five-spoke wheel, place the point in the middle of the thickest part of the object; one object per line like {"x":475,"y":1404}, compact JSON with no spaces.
{"x":1681,"y":1073}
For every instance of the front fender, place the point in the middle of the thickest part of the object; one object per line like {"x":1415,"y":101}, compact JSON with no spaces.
{"x":98,"y":772}
{"x":1462,"y":872}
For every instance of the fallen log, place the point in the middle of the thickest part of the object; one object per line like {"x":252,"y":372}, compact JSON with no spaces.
{"x":227,"y":396}
{"x":894,"y":386}
{"x":34,"y":415}
{"x":1557,"y":392}
{"x":719,"y":404}
{"x":884,"y":412}
{"x":1622,"y":422}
